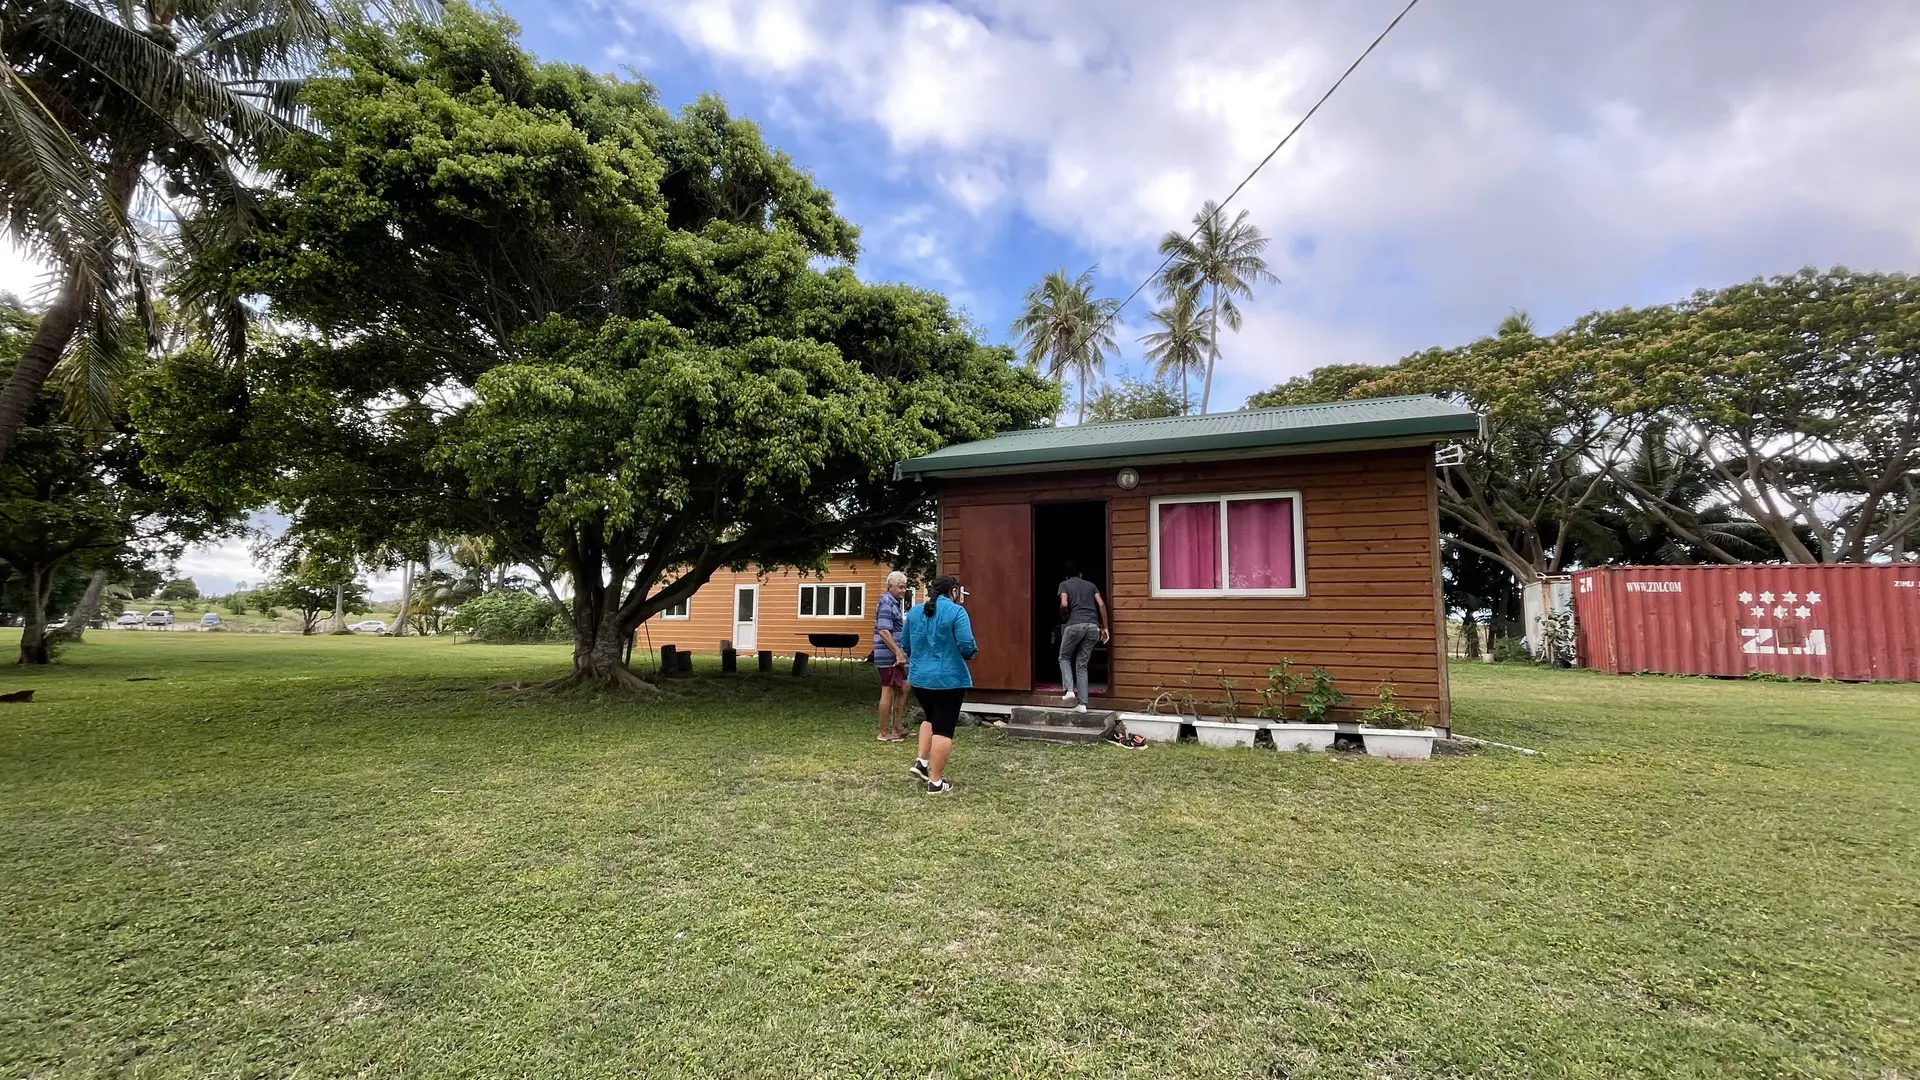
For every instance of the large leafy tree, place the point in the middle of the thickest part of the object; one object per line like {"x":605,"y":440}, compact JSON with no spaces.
{"x":537,"y":309}
{"x":1773,"y":420}
{"x":1063,"y":326}
{"x":1800,"y":398}
{"x":71,"y":504}
{"x":1523,"y":496}
{"x":1224,"y":259}
{"x":118,"y":119}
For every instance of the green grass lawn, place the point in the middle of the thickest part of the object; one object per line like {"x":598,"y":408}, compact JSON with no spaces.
{"x":244,"y":856}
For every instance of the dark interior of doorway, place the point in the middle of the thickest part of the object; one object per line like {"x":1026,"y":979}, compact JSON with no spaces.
{"x":1066,"y":532}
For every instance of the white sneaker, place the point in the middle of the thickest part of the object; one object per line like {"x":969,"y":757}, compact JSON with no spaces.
{"x":1068,"y":696}
{"x":1079,"y":708}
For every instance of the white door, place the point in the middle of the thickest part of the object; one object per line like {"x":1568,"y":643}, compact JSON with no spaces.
{"x":746,"y":617}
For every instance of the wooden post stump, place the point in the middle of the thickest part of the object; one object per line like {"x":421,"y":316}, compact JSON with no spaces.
{"x":668,"y":664}
{"x":799,"y":664}
{"x":685,"y":660}
{"x":729,"y":660}
{"x":766,"y":659}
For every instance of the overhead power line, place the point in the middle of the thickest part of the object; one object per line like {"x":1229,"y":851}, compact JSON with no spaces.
{"x":1277,"y":147}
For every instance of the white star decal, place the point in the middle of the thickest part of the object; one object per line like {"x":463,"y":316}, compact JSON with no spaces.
{"x":1789,"y":597}
{"x":1803,"y":611}
{"x":1746,"y":597}
{"x":1759,"y":613}
{"x":1766,"y":598}
{"x":1779,"y":613}
{"x":1813,"y":598}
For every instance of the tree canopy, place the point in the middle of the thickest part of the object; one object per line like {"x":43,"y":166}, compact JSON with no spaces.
{"x":524,"y":303}
{"x":118,"y":120}
{"x":1773,"y":419}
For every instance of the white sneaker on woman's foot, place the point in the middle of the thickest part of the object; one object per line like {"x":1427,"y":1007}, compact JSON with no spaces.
{"x":1068,"y":697}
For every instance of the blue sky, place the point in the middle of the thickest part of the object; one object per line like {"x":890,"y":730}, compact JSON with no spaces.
{"x":1493,"y":154}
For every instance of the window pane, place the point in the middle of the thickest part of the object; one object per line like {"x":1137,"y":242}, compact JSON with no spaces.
{"x":857,"y":605}
{"x":806,"y":599}
{"x":1260,"y":544}
{"x":840,"y":600}
{"x":1190,"y":545}
{"x":745,"y":599}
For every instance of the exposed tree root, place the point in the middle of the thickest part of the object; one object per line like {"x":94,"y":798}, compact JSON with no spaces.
{"x":616,"y":679}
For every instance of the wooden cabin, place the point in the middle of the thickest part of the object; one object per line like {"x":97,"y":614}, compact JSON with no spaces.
{"x":1222,"y":544}
{"x":779,"y":610}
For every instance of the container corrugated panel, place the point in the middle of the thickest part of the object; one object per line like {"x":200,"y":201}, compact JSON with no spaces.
{"x":1853,"y":623}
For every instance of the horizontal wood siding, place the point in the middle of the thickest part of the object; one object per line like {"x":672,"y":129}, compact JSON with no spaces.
{"x":710,"y":614}
{"x":1371,"y":613}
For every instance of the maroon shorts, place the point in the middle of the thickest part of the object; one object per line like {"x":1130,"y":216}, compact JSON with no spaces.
{"x":893,"y":675}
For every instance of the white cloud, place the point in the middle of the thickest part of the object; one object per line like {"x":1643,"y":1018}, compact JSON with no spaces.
{"x":1492,"y":154}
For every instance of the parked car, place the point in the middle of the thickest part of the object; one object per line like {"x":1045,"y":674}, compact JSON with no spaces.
{"x":368,"y":626}
{"x":210,"y":621}
{"x":129,"y":619}
{"x":159,"y":617}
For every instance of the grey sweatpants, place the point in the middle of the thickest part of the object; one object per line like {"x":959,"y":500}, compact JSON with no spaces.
{"x":1076,"y":650}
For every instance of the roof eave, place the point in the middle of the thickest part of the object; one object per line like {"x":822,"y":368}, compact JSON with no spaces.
{"x":1054,"y":463}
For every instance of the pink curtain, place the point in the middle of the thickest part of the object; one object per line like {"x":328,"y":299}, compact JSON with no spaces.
{"x":1259,"y":544}
{"x":1190,"y":545}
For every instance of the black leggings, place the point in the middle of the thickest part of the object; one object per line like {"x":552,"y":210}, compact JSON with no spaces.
{"x":942,"y":708}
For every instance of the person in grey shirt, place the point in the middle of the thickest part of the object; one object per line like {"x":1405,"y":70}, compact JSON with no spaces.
{"x":1084,"y":611}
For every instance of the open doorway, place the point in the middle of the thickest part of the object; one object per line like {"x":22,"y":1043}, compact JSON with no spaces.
{"x":1066,"y":532}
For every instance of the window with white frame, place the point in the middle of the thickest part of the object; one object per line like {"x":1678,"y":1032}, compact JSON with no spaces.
{"x":1228,"y":545}
{"x":681,"y":610}
{"x":833,"y":601}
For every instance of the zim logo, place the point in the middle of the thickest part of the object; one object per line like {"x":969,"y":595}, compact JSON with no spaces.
{"x":1764,"y":641}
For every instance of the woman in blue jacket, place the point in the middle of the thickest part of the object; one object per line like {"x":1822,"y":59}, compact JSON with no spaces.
{"x":939,"y":642}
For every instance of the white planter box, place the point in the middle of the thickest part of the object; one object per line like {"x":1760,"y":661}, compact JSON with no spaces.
{"x":1414,"y":745}
{"x":1310,"y":737}
{"x":1154,"y":728}
{"x":1221,"y":734}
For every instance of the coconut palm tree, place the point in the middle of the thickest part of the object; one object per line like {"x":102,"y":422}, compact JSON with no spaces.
{"x":120,"y":119}
{"x":1181,"y":344}
{"x":1063,"y":326}
{"x":1224,"y":258}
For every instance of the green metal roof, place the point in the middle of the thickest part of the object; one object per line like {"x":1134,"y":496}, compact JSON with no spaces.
{"x":1231,"y":434}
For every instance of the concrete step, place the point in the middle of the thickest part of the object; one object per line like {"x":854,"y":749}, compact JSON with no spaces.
{"x":1034,"y":716}
{"x":1055,"y":733}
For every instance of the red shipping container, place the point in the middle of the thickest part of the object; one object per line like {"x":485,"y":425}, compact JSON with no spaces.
{"x":1854,"y":623}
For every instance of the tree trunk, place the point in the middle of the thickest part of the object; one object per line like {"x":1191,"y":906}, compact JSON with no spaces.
{"x":599,"y":643}
{"x":406,"y":598}
{"x":33,"y":634}
{"x":1470,"y":636}
{"x":1213,"y":351}
{"x":1082,"y":380}
{"x":49,"y":343}
{"x":339,"y":608}
{"x":87,"y":610}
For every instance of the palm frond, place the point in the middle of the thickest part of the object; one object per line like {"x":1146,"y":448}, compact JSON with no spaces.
{"x":51,"y":193}
{"x":156,"y":78}
{"x":93,"y":374}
